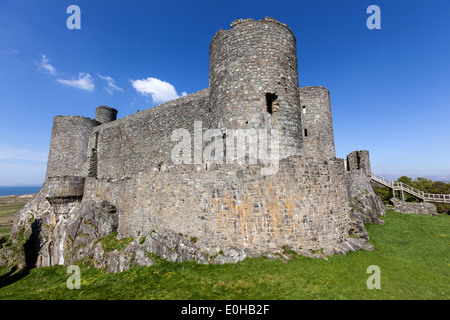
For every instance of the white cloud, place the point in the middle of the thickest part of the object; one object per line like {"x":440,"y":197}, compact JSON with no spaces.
{"x":161,"y":91}
{"x":45,"y":65}
{"x":84,"y":82}
{"x":111,"y":84}
{"x":9,"y":52}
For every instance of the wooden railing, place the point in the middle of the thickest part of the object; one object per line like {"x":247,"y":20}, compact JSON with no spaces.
{"x":383,"y":181}
{"x":428,"y":197}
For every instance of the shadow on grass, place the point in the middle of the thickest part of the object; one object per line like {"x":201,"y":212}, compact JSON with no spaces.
{"x":12,"y":276}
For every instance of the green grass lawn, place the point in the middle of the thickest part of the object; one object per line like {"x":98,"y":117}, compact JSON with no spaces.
{"x":412,"y":252}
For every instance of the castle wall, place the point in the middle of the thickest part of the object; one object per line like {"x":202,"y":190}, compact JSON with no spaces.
{"x":68,"y":145}
{"x":253,"y":80}
{"x":302,"y":206}
{"x":317,"y":124}
{"x":143,"y":140}
{"x":414,"y":207}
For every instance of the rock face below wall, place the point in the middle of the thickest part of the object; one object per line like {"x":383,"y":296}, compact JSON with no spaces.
{"x":414,"y":207}
{"x":366,"y":206}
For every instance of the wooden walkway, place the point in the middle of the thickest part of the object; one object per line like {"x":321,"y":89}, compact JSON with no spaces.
{"x":426,"y":197}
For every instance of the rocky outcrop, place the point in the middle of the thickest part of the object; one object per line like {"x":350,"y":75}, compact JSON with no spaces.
{"x":366,"y":206}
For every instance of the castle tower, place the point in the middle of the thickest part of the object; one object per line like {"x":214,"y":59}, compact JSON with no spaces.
{"x":253,"y":80}
{"x":104,"y":114}
{"x":317,"y":124}
{"x":67,"y":155}
{"x":359,"y":160}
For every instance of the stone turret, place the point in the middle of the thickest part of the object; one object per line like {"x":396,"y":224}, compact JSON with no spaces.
{"x":359,"y":160}
{"x":67,"y":155}
{"x":104,"y":114}
{"x":69,"y":140}
{"x":317,"y":124}
{"x":253,"y":80}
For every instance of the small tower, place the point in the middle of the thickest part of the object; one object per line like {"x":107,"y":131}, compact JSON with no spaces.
{"x":104,"y":114}
{"x":317,"y":124}
{"x":253,"y":80}
{"x":359,"y":160}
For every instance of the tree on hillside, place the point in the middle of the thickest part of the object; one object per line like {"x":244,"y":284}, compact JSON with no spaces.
{"x":440,"y":187}
{"x":405,"y":179}
{"x":422,"y":184}
{"x":383,"y":192}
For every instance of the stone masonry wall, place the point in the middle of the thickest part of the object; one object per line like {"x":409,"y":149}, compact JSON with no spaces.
{"x":414,"y":207}
{"x":235,"y":206}
{"x":142,"y":140}
{"x":67,"y":186}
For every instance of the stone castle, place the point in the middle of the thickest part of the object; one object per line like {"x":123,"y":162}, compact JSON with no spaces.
{"x":119,"y":174}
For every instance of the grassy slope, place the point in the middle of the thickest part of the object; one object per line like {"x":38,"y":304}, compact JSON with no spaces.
{"x":411,"y":251}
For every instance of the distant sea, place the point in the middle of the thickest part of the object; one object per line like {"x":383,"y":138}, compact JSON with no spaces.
{"x":11,"y":191}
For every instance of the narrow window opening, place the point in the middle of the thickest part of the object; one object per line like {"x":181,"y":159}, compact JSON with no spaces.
{"x":358,"y":161}
{"x":305,"y":132}
{"x":304,"y":110}
{"x":270,"y":99}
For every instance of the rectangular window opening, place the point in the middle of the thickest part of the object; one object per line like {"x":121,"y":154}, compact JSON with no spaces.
{"x":270,"y":99}
{"x":306,"y":132}
{"x":304,"y":110}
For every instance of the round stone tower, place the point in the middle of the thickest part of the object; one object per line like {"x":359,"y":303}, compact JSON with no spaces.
{"x":67,"y":156}
{"x":317,"y":124}
{"x":253,"y":80}
{"x":104,"y":114}
{"x":68,"y":145}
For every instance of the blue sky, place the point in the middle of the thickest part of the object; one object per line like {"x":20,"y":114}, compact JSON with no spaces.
{"x":389,"y":88}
